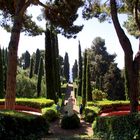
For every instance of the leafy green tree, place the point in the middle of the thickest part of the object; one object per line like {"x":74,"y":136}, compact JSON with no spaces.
{"x":114,"y":83}
{"x":40,"y":73}
{"x":17,"y":9}
{"x":37,"y":60}
{"x":79,"y":70}
{"x":1,"y":76}
{"x":75,"y":70}
{"x":101,"y":11}
{"x":66,"y":67}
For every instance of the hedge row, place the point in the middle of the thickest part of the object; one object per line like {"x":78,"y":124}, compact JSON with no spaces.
{"x":37,"y":103}
{"x":118,"y":127}
{"x":18,"y":126}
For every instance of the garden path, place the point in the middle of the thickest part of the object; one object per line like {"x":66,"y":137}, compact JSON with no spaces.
{"x":57,"y":133}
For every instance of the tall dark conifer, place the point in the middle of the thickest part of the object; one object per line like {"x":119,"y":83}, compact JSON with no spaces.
{"x":88,"y":84}
{"x":1,"y":76}
{"x":57,"y":67}
{"x":31,"y":68}
{"x":26,"y":60}
{"x":84,"y":96}
{"x":37,"y":59}
{"x":75,"y":70}
{"x":66,"y":67}
{"x":50,"y":93}
{"x":79,"y":70}
{"x":40,"y":72}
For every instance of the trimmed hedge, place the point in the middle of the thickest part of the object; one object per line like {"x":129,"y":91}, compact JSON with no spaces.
{"x":50,"y":113}
{"x":90,"y":114}
{"x":118,"y":127}
{"x":70,"y":122}
{"x":37,"y":103}
{"x":18,"y":126}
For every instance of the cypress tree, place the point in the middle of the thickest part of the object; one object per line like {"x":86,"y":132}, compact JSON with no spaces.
{"x":75,"y":70}
{"x":5,"y":63}
{"x":57,"y":67}
{"x":26,"y":60}
{"x":84,"y":98}
{"x":31,"y":68}
{"x":40,"y":72}
{"x":88,"y":84}
{"x":79,"y":71}
{"x":37,"y":59}
{"x":50,"y":92}
{"x":66,"y":67}
{"x":1,"y":76}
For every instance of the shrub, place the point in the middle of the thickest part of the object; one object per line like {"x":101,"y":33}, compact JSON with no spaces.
{"x":50,"y":114}
{"x":98,"y":94}
{"x":15,"y":125}
{"x":90,"y":114}
{"x":118,"y":127}
{"x":70,"y":122}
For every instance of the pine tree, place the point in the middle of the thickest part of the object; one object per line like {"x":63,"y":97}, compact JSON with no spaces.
{"x":79,"y":71}
{"x":31,"y":68}
{"x":66,"y":67}
{"x":84,"y":96}
{"x":40,"y":72}
{"x":1,"y":76}
{"x":37,"y":59}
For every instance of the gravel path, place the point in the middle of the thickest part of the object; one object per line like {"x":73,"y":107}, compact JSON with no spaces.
{"x":57,"y":131}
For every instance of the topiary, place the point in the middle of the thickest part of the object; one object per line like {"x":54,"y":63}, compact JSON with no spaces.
{"x":50,"y":114}
{"x":70,"y":122}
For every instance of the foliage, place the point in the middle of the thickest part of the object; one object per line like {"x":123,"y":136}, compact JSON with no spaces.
{"x":49,"y":65}
{"x":62,"y":14}
{"x":50,"y":113}
{"x":98,"y":94}
{"x":89,"y":114}
{"x":37,"y":60}
{"x":75,"y":71}
{"x":66,"y":67}
{"x":26,"y":60}
{"x":31,"y":127}
{"x":79,"y":70}
{"x":70,"y":122}
{"x":40,"y":74}
{"x":1,"y":75}
{"x":26,"y":87}
{"x":125,"y":127}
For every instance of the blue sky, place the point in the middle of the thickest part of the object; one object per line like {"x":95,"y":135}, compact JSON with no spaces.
{"x":92,"y":28}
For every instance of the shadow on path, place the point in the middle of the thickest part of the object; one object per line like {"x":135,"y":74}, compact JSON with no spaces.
{"x":55,"y":128}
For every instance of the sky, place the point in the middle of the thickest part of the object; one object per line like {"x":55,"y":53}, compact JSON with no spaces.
{"x":92,"y":29}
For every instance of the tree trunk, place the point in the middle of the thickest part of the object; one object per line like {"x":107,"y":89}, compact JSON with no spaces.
{"x":12,"y":58}
{"x":131,"y":72}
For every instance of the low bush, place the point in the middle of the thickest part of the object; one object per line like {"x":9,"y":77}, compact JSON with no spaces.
{"x":98,"y":95}
{"x":89,"y":114}
{"x":118,"y":127}
{"x":50,"y":114}
{"x":19,"y":126}
{"x":70,"y":122}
